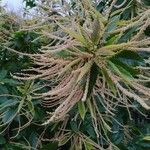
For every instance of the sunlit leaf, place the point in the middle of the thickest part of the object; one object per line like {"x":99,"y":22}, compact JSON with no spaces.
{"x":82,"y":109}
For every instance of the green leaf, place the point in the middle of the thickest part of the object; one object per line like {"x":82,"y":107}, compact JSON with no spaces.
{"x":5,"y":103}
{"x":112,"y":40}
{"x":84,"y":70}
{"x":87,"y":126}
{"x":11,"y":82}
{"x":2,"y":140}
{"x":76,"y":35}
{"x":31,"y":107}
{"x":129,"y":57}
{"x":109,"y":81}
{"x":128,"y":68}
{"x":69,"y":66}
{"x":9,"y":115}
{"x":144,"y":144}
{"x":100,"y":6}
{"x":124,"y":73}
{"x":93,"y":77}
{"x":112,"y":24}
{"x":20,"y":89}
{"x":74,"y":126}
{"x":97,"y":29}
{"x":50,"y":146}
{"x":100,"y":103}
{"x":147,"y":138}
{"x":39,"y":113}
{"x":3,"y":74}
{"x":127,"y":35}
{"x":146,"y":2}
{"x":89,"y":146}
{"x":33,"y":139}
{"x":3,"y":89}
{"x":88,"y":41}
{"x":120,"y":71}
{"x":20,"y":105}
{"x":65,"y":139}
{"x":82,"y":109}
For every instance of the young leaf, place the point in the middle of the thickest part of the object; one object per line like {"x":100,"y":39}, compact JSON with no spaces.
{"x":82,"y":109}
{"x":88,"y":146}
{"x":73,"y":34}
{"x":97,"y":31}
{"x":31,"y":107}
{"x":147,"y":138}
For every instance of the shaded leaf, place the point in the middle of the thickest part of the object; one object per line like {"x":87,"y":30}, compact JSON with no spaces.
{"x":50,"y":146}
{"x":2,"y":140}
{"x":9,"y":115}
{"x":109,"y":81}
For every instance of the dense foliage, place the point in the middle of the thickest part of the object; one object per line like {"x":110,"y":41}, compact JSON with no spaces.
{"x":77,"y":76}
